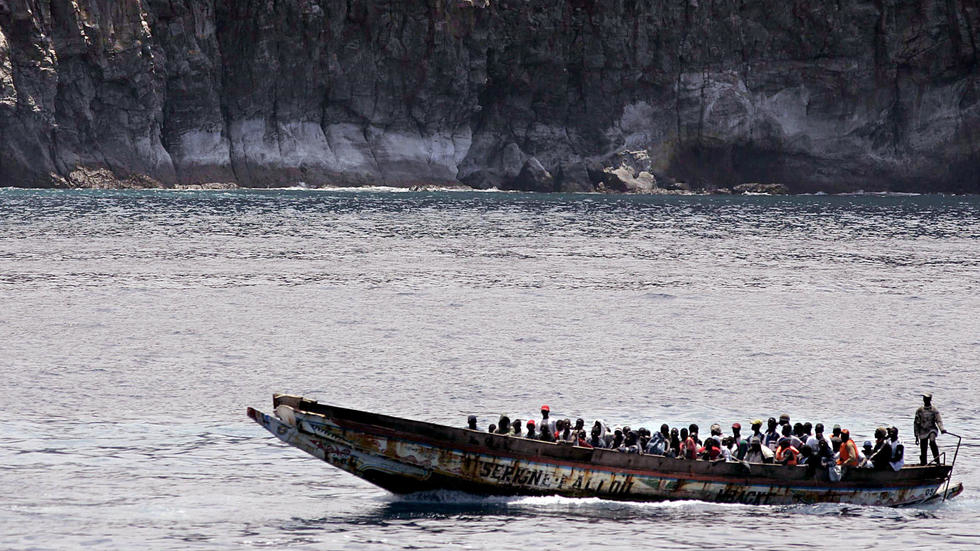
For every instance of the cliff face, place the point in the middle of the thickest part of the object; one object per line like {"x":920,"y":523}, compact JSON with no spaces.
{"x":542,"y":94}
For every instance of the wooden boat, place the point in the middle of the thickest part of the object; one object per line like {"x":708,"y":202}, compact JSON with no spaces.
{"x":405,"y":456}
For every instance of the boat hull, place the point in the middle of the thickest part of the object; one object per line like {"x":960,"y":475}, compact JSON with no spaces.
{"x":432,"y":457}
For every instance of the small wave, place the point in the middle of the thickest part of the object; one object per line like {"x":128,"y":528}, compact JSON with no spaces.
{"x":454,"y":497}
{"x":660,"y":296}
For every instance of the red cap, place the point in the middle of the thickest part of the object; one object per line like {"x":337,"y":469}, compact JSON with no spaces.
{"x":530,"y":421}
{"x":545,"y":408}
{"x":845,"y":431}
{"x":737,"y":426}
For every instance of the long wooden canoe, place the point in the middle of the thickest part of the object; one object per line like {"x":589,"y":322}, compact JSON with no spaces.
{"x":406,"y":456}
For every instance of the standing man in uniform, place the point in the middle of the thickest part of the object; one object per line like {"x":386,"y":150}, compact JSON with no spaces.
{"x":928,"y":425}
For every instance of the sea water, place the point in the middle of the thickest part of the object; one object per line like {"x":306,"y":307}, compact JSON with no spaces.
{"x":137,"y":326}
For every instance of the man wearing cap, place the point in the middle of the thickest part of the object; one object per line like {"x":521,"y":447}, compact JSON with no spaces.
{"x":928,"y":425}
{"x":783,"y":421}
{"x":530,"y":430}
{"x":741,"y":444}
{"x":546,"y":423}
{"x":757,"y":430}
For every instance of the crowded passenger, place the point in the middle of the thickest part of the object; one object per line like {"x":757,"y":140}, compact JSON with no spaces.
{"x":797,"y":444}
{"x":880,"y":453}
{"x":617,"y":441}
{"x":595,"y":439}
{"x":689,"y":445}
{"x":758,"y":453}
{"x":835,"y":437}
{"x":814,"y":441}
{"x":786,"y":452}
{"x":772,"y":434}
{"x":675,"y":443}
{"x":864,"y":457}
{"x":693,"y":432}
{"x":847,"y":456}
{"x":545,"y":434}
{"x":546,"y":422}
{"x":897,"y":459}
{"x":711,"y":449}
{"x":531,"y":432}
{"x":659,"y":442}
{"x":504,"y":426}
{"x":739,"y":445}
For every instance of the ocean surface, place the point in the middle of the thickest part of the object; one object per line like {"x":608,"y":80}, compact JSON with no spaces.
{"x":137,"y":326}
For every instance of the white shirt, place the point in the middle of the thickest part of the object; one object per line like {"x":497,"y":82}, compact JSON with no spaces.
{"x":897,"y":465}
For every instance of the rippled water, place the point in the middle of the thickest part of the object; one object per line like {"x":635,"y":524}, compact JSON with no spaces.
{"x":135,"y":327}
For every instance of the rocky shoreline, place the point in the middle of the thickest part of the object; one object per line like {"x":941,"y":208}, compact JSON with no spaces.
{"x":550,"y":96}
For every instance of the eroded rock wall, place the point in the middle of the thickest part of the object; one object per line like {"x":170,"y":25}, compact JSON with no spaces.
{"x":879,"y":94}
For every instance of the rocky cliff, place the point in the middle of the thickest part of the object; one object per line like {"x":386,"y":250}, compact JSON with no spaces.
{"x":622,"y":95}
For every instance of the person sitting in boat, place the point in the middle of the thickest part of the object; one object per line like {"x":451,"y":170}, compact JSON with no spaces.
{"x":644,"y":438}
{"x":603,"y":430}
{"x":531,"y":433}
{"x":595,"y":439}
{"x":689,"y":446}
{"x":897,"y":459}
{"x":504,"y":426}
{"x":729,"y":451}
{"x":582,"y":441}
{"x":848,"y":455}
{"x":617,"y":441}
{"x":806,"y":456}
{"x":756,"y":428}
{"x":814,"y":441}
{"x":675,"y":444}
{"x":835,"y":438}
{"x":693,"y":431}
{"x":630,"y":441}
{"x":564,"y":432}
{"x":864,"y":456}
{"x":714,"y":431}
{"x":546,"y":422}
{"x":659,"y":441}
{"x":786,"y":452}
{"x":517,"y":426}
{"x":579,"y":425}
{"x":757,"y":452}
{"x":880,"y":453}
{"x":772,"y":435}
{"x":545,"y":434}
{"x":711,"y":449}
{"x":807,"y":431}
{"x":794,"y":440}
{"x":798,"y":432}
{"x":492,"y":428}
{"x":784,"y":422}
{"x":471,"y":422}
{"x":739,"y":445}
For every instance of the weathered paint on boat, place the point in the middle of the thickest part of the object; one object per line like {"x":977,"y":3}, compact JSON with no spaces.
{"x":405,"y":456}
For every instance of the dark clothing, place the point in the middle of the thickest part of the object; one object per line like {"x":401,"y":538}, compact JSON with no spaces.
{"x":924,"y":444}
{"x":881,"y":458}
